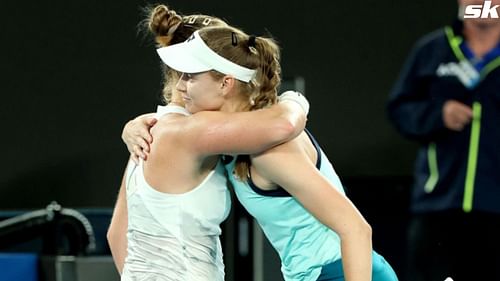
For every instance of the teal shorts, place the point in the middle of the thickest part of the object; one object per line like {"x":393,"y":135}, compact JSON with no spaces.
{"x":381,"y":270}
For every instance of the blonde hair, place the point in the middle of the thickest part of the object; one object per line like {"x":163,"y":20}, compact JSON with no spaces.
{"x":262,"y":54}
{"x":170,"y":28}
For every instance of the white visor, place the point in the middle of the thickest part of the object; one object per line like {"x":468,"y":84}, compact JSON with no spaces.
{"x":193,"y":56}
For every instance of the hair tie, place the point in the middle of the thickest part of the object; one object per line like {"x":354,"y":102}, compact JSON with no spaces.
{"x":172,"y":29}
{"x":234,"y":39}
{"x":251,"y":41}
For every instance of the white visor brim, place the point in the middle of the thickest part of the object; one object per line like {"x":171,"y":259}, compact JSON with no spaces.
{"x":194,"y":56}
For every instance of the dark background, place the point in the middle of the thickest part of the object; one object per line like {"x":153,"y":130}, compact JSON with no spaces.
{"x":74,"y":72}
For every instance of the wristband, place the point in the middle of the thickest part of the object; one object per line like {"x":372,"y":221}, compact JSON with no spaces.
{"x":296,"y":97}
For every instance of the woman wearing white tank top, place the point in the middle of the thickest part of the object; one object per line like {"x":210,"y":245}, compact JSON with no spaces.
{"x":170,"y":206}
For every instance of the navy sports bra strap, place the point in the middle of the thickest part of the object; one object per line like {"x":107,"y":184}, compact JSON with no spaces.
{"x":280,"y":191}
{"x":317,"y":147}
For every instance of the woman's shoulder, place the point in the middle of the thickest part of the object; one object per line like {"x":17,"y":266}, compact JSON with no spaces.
{"x":169,"y":128}
{"x":297,"y":145}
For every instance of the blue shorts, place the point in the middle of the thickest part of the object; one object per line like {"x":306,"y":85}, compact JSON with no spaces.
{"x":381,"y":270}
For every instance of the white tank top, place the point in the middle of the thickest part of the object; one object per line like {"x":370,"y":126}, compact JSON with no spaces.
{"x":175,"y":236}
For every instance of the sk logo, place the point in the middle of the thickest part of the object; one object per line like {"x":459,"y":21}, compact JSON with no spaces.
{"x":481,"y":11}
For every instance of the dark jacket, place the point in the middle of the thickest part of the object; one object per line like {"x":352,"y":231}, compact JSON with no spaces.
{"x":453,"y":170}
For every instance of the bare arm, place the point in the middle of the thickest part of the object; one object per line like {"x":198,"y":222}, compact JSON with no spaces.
{"x":250,"y":132}
{"x":230,"y":133}
{"x":321,"y":199}
{"x":117,"y":232}
{"x":137,"y":137}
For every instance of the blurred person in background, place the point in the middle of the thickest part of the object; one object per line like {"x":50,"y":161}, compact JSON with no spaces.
{"x":447,"y":98}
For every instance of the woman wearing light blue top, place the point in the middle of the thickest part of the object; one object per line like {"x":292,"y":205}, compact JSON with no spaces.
{"x":297,"y":198}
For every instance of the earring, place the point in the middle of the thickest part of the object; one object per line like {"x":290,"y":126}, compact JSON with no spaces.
{"x":252,"y":102}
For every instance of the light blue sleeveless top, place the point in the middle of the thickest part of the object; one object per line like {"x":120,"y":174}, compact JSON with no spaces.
{"x":303,"y":243}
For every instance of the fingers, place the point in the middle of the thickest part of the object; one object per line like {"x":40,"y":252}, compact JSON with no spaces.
{"x":151,"y":121}
{"x":456,"y":115}
{"x":462,"y":116}
{"x":145,"y":135}
{"x":126,"y":130}
{"x":143,"y":125}
{"x":139,"y":153}
{"x":142,"y":143}
{"x":137,"y":137}
{"x":455,"y":124}
{"x":134,"y":158}
{"x":464,"y":113}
